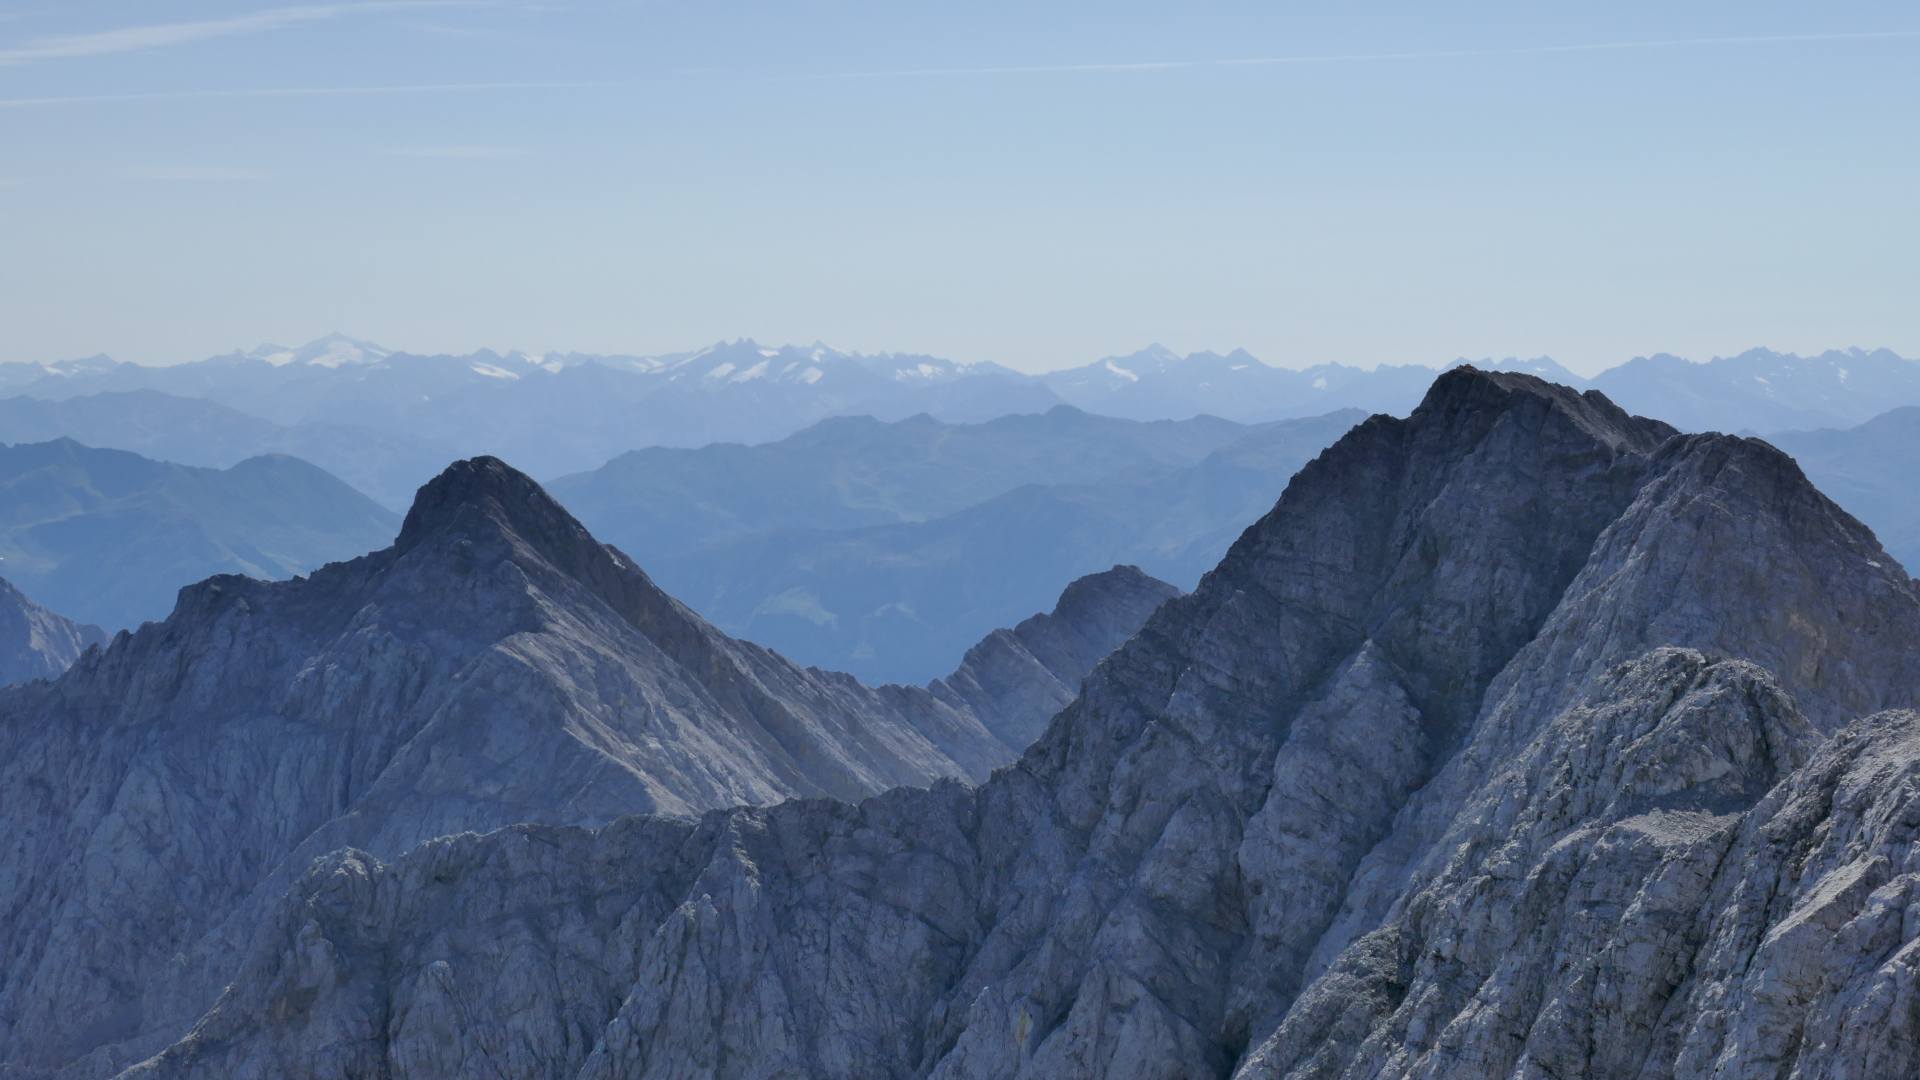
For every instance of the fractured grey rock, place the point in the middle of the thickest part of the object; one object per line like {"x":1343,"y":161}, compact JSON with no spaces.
{"x":36,"y":643}
{"x":1016,"y":680}
{"x":1523,"y":739}
{"x":495,"y":666}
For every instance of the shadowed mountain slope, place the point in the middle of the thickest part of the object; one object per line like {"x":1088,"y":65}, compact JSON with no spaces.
{"x":1504,"y":746}
{"x":495,"y":665}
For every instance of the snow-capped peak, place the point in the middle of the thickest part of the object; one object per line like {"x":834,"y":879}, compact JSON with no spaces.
{"x":331,"y":351}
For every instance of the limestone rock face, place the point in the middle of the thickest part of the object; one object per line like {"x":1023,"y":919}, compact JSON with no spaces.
{"x":496,"y":666}
{"x":1523,"y":739}
{"x":36,"y":643}
{"x":1015,"y":680}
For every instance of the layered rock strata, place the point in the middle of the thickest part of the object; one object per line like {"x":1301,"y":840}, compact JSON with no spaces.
{"x":1524,"y":738}
{"x":495,"y":666}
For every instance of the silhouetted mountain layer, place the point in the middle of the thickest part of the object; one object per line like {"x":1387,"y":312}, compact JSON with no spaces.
{"x":495,"y":665}
{"x":36,"y":643}
{"x":1871,"y":470}
{"x":386,"y":465}
{"x":851,"y":472}
{"x":1523,"y":738}
{"x":894,"y":603}
{"x":109,"y":537}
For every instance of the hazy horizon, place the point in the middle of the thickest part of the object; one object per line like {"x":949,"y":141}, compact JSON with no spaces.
{"x":1594,"y":369}
{"x":1034,"y":187}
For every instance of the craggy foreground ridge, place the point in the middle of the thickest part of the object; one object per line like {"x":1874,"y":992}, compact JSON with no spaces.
{"x":495,"y":666}
{"x":1524,"y":738}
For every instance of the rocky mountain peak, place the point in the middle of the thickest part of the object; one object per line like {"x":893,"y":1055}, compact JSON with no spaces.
{"x":486,"y":494}
{"x":1468,"y":390}
{"x":497,"y":666}
{"x":1522,"y":738}
{"x":481,"y":512}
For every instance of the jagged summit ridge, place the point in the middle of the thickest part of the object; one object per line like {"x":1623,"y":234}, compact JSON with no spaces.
{"x":1457,"y":766}
{"x":1467,"y":388}
{"x":484,"y":503}
{"x":495,"y":666}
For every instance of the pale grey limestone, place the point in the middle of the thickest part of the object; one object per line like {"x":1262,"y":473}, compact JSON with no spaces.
{"x":39,"y":644}
{"x":495,"y":666}
{"x":1016,"y":679}
{"x":1523,"y":739}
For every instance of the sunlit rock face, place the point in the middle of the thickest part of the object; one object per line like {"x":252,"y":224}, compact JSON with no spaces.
{"x":1523,"y":739}
{"x":36,"y":643}
{"x":495,"y":666}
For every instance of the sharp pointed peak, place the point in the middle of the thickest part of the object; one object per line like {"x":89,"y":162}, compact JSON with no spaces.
{"x":482,"y":491}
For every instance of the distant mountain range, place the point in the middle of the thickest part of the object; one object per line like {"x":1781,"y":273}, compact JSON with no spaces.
{"x":387,"y":421}
{"x":1157,"y":382}
{"x":1757,"y":391}
{"x":1521,"y":738}
{"x":109,"y":537}
{"x":856,"y":471}
{"x":558,"y":413}
{"x":384,"y":464}
{"x":1870,"y":471}
{"x":1761,"y":391}
{"x":886,"y":549}
{"x":841,"y":507}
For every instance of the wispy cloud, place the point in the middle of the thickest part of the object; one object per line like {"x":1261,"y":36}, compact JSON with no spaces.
{"x":457,"y":152}
{"x":290,"y":91}
{"x":133,"y":39}
{"x":193,"y":172}
{"x":1331,"y":58}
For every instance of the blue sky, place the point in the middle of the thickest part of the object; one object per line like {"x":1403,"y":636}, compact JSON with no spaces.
{"x":1037,"y":185}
